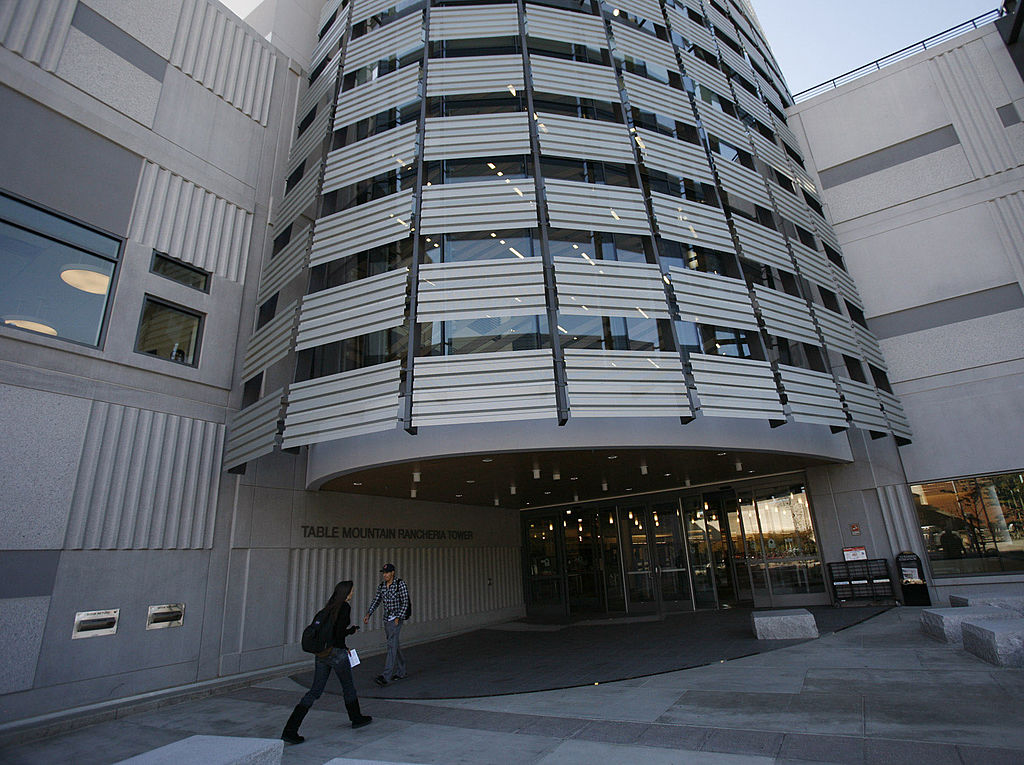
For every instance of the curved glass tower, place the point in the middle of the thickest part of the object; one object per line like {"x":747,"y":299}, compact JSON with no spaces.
{"x":534,"y":253}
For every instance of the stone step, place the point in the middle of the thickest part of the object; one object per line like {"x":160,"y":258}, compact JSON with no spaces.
{"x":997,"y":641}
{"x":787,"y":624}
{"x":213,"y":750}
{"x":946,"y":624}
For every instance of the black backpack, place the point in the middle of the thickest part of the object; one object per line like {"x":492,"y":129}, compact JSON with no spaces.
{"x":316,"y":638}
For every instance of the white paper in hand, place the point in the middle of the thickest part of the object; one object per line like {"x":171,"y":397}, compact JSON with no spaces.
{"x":353,"y":657}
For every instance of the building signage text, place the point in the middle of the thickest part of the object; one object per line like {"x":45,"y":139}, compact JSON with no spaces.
{"x":377,"y":532}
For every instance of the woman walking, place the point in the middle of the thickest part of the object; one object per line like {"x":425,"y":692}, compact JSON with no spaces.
{"x":336,"y":658}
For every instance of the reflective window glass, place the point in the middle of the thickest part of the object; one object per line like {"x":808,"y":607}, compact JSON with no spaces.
{"x":487,"y":334}
{"x":169,"y":332}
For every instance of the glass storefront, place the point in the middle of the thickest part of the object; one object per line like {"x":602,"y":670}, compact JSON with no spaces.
{"x":973,"y":525}
{"x":674,"y":552}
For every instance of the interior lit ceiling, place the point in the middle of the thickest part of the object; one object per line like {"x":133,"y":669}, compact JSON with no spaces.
{"x":556,"y":478}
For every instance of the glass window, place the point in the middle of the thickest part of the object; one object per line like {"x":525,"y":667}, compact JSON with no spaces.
{"x":973,"y":525}
{"x":479,"y":245}
{"x":169,"y":332}
{"x":377,"y":260}
{"x":352,"y":353}
{"x":613,"y":333}
{"x":55,"y":274}
{"x":190,"y":276}
{"x":488,"y":334}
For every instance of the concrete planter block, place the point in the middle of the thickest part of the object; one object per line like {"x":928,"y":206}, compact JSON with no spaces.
{"x":784,"y":625}
{"x":214,"y":750}
{"x":997,"y":641}
{"x":1013,"y":603}
{"x":946,"y":624}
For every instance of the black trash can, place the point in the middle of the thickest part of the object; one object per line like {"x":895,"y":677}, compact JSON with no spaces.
{"x":911,"y":575}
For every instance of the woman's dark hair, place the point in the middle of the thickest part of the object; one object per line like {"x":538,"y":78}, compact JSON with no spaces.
{"x":338,"y":597}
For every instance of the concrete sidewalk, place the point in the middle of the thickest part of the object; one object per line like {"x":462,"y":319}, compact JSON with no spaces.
{"x":877,"y":692}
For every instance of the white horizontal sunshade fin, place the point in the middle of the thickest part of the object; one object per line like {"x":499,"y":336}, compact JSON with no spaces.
{"x":762,"y":244}
{"x":329,"y":40}
{"x":732,"y":387}
{"x":705,"y":74}
{"x":786,"y":316}
{"x":625,"y":384}
{"x":319,"y":87}
{"x":784,"y":131}
{"x":475,"y":74}
{"x":253,"y":431}
{"x":609,"y":288}
{"x":745,"y":183}
{"x":813,"y":264}
{"x":392,"y":150}
{"x":312,"y":136}
{"x":869,"y":346}
{"x":586,"y":139}
{"x":478,"y":206}
{"x":679,"y":158}
{"x":792,"y":207}
{"x":657,"y":98}
{"x":645,"y":9}
{"x":504,"y":287}
{"x":769,"y":151}
{"x":753,"y":105}
{"x":363,"y":9}
{"x":270,"y":342}
{"x":837,"y":331}
{"x":359,"y":228}
{"x":571,"y":78}
{"x":387,"y":92}
{"x":691,"y":222}
{"x":596,"y":206}
{"x":717,"y":18}
{"x":484,"y":387}
{"x":398,"y":37}
{"x":812,"y":396}
{"x":301,"y":196}
{"x":898,"y":422}
{"x":863,"y":405}
{"x":477,"y":135}
{"x":343,"y":405}
{"x":846,"y":285}
{"x":695,"y":33}
{"x":736,"y":61}
{"x":712,"y":299}
{"x":722,"y":125}
{"x":466,"y":22}
{"x":284,"y":266}
{"x":353,"y":309}
{"x":566,"y":26}
{"x":642,"y":46}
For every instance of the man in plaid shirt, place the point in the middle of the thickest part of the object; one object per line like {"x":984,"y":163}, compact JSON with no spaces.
{"x":395,"y":596}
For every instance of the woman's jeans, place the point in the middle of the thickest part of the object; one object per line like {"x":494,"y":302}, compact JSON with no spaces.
{"x":338,"y":661}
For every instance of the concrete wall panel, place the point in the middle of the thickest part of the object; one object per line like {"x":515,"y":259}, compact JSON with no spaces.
{"x":21,"y":633}
{"x":151,"y":22}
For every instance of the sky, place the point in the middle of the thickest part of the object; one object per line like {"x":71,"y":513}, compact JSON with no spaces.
{"x":816,"y":40}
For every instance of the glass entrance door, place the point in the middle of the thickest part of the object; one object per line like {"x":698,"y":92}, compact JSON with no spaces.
{"x":670,"y":558}
{"x":700,"y":549}
{"x":641,"y":595}
{"x":584,"y":578}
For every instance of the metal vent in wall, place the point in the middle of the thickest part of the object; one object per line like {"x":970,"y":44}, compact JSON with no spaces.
{"x":167,"y":615}
{"x":95,"y":623}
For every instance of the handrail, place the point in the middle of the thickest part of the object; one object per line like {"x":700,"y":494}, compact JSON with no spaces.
{"x":899,"y":55}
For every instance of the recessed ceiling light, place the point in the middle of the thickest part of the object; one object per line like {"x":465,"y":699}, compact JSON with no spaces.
{"x":357,"y":483}
{"x":470,"y":480}
{"x":722,"y":454}
{"x":613,"y":456}
{"x":488,"y":459}
{"x":458,"y":495}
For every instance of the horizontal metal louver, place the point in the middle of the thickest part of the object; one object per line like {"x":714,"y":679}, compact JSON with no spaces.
{"x":753,"y":106}
{"x":769,"y":151}
{"x":392,"y":150}
{"x":898,"y":422}
{"x":643,"y":47}
{"x":228,"y":58}
{"x":391,"y":90}
{"x":328,"y":42}
{"x":812,"y":396}
{"x":284,"y":266}
{"x":467,"y":22}
{"x":596,"y":206}
{"x":358,"y":308}
{"x":828,"y":235}
{"x":863,"y":405}
{"x":812,"y":264}
{"x":363,"y":9}
{"x":736,"y":61}
{"x":36,"y":31}
{"x":869,"y":347}
{"x":586,"y":139}
{"x":654,"y":97}
{"x":786,"y":316}
{"x":762,"y":244}
{"x":745,"y":183}
{"x":475,"y":74}
{"x":791,"y":207}
{"x":846,"y":285}
{"x":716,"y":17}
{"x":720,"y":124}
{"x":679,"y":158}
{"x":570,"y":78}
{"x":343,"y":405}
{"x":381,"y":221}
{"x":769,"y":91}
{"x":300,"y":197}
{"x":695,"y":33}
{"x":319,"y":87}
{"x":625,"y":384}
{"x":477,"y":135}
{"x":609,"y":288}
{"x":270,"y":343}
{"x":731,"y":387}
{"x":478,"y":206}
{"x":804,"y":179}
{"x":484,"y":387}
{"x":785,"y":132}
{"x":392,"y":40}
{"x":312,"y":136}
{"x":645,"y":9}
{"x":176,"y":217}
{"x":837,"y":331}
{"x":705,"y":74}
{"x":691,"y":222}
{"x":252,"y":431}
{"x":327,"y":11}
{"x":712,"y":299}
{"x":566,"y":26}
{"x":505,"y":287}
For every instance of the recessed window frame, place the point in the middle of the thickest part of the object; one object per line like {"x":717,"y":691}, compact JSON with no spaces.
{"x":181,"y":264}
{"x":148,"y":298}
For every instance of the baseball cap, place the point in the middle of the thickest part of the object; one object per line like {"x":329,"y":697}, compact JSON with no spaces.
{"x":387,"y":567}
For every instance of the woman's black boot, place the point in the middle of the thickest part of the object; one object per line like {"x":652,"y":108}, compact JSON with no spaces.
{"x":290,"y":735}
{"x":358,"y":718}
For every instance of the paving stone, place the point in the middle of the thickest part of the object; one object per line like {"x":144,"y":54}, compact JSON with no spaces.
{"x":841,"y":749}
{"x":891,"y":752}
{"x":743,"y":742}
